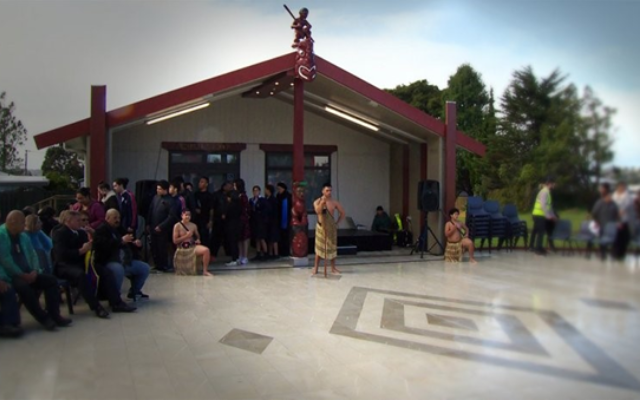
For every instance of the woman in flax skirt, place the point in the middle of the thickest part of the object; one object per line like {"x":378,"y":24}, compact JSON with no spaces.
{"x":187,"y":238}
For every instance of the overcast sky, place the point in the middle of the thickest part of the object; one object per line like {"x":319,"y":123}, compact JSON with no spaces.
{"x":51,"y":52}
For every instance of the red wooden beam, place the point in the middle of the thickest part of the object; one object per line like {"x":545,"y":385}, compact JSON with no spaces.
{"x":98,"y":137}
{"x":406,"y":181}
{"x":62,"y":134}
{"x":423,"y":176}
{"x":298,"y":130}
{"x":449,"y":183}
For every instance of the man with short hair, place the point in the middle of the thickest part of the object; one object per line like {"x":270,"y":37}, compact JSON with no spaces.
{"x":604,"y":212}
{"x":284,"y":206}
{"x":160,"y":220}
{"x":544,"y":217}
{"x":70,"y":246}
{"x":457,"y":234}
{"x":381,"y":222}
{"x":111,"y":244}
{"x":20,"y":267}
{"x":220,"y":204}
{"x":326,"y":243}
{"x":203,"y":218}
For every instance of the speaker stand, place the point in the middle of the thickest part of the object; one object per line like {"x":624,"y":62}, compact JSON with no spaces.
{"x":421,"y":243}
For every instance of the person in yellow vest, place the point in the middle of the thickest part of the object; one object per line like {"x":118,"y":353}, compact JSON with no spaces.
{"x":544,"y":217}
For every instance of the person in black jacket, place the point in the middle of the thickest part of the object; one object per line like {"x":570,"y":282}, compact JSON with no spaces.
{"x":111,"y":245}
{"x":70,"y":246}
{"x":284,"y":217}
{"x":160,"y":221}
{"x":203,"y":218}
{"x":272,"y":217}
{"x":220,"y":202}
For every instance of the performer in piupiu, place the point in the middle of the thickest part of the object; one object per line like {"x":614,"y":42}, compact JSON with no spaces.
{"x":327,"y":229}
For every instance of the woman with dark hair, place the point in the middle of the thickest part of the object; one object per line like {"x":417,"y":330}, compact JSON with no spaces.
{"x":93,"y":208}
{"x":187,"y":240}
{"x":107,"y":197}
{"x":258,"y":223}
{"x":244,"y":230}
{"x":47,"y":217}
{"x":128,"y":205}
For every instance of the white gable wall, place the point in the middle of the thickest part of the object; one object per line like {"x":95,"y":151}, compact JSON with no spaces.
{"x":360,"y":168}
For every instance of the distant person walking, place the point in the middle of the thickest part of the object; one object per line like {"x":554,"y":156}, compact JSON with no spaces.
{"x":544,"y":218}
{"x":605,"y":211}
{"x":626,"y":209}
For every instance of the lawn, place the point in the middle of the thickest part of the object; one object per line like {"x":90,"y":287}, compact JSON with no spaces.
{"x":575,"y":215}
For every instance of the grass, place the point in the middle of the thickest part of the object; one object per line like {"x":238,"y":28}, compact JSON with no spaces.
{"x":575,"y":215}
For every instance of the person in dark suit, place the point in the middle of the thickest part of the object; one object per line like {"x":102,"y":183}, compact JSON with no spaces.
{"x":70,"y":246}
{"x":160,"y":221}
{"x":111,"y":246}
{"x":284,"y":210}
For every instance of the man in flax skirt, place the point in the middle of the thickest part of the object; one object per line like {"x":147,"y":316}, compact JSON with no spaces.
{"x":327,"y":229}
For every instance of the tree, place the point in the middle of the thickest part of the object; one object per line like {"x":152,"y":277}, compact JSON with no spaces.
{"x":421,"y":95}
{"x":12,"y":136}
{"x":62,"y":168}
{"x":467,"y":89}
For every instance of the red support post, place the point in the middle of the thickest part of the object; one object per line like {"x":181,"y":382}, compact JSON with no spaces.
{"x":98,"y":137}
{"x":450,"y":156}
{"x":405,"y":181}
{"x":298,"y":130}
{"x":423,"y":176}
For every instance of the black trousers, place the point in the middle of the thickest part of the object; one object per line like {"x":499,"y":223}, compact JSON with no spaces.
{"x":284,"y":243}
{"x":550,"y":226}
{"x":76,"y":277}
{"x":537,"y":234}
{"x":9,"y":310}
{"x":623,"y":237}
{"x":204,"y":233}
{"x":29,"y":294}
{"x":218,"y":238}
{"x":159,"y":250}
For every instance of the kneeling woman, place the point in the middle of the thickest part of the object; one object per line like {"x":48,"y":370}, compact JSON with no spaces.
{"x":457,"y":234}
{"x":187,"y":238}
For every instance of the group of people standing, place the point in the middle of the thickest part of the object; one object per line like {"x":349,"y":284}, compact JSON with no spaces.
{"x":90,"y":247}
{"x":227,"y":218}
{"x":616,"y":207}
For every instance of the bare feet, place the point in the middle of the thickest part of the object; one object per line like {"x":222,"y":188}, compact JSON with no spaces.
{"x":335,"y":270}
{"x":314,"y":271}
{"x":473,"y":261}
{"x":206,"y":273}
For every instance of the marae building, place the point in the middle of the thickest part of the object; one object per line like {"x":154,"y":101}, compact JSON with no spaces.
{"x":371,"y":146}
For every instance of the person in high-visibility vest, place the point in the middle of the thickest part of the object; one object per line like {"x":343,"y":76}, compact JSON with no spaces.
{"x":544,"y":217}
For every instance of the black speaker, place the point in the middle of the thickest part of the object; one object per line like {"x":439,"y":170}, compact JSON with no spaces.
{"x":145,"y":190}
{"x":428,"y":196}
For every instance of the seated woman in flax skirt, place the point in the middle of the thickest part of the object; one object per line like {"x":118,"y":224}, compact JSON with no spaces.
{"x":327,"y":229}
{"x":187,"y":238}
{"x":457,"y":235}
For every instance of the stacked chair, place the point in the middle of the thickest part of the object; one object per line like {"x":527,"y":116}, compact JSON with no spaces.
{"x":478,"y":221}
{"x":516,"y":228}
{"x":562,"y":232}
{"x":497,"y":223}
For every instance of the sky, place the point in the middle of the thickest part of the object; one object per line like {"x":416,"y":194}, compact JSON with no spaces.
{"x":52,"y":51}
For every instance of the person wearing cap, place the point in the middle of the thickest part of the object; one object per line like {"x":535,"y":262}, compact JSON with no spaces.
{"x":544,"y":217}
{"x":381,"y":222}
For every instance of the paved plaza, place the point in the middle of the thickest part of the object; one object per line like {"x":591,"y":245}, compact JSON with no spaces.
{"x":515,"y":326}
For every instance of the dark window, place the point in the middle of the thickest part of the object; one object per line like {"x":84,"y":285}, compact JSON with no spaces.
{"x":317,"y":172}
{"x":217,"y":166}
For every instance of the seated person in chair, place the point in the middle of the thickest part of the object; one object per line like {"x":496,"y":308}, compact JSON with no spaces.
{"x":457,"y":234}
{"x":382,"y":222}
{"x":70,"y":246}
{"x":9,"y":310}
{"x":19,"y":264}
{"x":111,"y":246}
